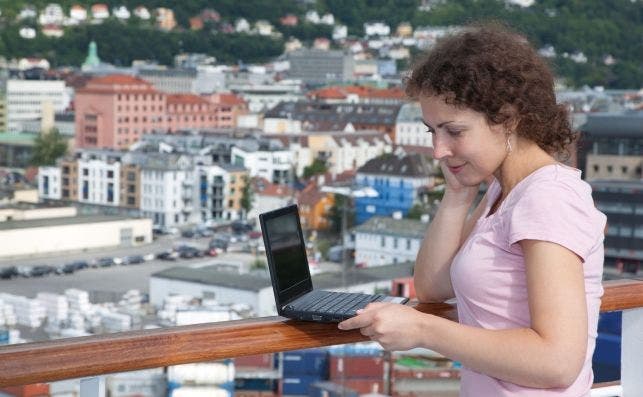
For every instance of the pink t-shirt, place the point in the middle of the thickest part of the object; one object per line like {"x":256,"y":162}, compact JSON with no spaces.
{"x":488,"y":273}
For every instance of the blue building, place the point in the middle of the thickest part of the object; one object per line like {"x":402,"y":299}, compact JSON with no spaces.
{"x":397,"y":179}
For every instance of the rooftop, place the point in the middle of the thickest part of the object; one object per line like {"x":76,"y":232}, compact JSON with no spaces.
{"x":393,"y":227}
{"x":63,"y":221}
{"x":412,"y":165}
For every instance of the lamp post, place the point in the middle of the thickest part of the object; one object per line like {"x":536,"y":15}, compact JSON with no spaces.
{"x":348,"y":192}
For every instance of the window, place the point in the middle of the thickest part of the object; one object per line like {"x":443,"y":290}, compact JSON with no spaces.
{"x":395,"y":242}
{"x":85,"y":172}
{"x":110,"y":174}
{"x":383,"y":241}
{"x":408,"y":243}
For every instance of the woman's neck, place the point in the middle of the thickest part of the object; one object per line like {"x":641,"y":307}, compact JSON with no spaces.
{"x":525,"y":158}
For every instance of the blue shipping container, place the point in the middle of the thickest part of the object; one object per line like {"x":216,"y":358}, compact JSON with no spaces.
{"x":298,"y":385}
{"x":306,"y":362}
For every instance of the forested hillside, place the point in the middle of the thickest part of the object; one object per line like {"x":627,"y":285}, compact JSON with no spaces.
{"x":599,"y":29}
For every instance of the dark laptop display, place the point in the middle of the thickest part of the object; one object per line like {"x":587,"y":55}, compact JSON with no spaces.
{"x":290,"y":275}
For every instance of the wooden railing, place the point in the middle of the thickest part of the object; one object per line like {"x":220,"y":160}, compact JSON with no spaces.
{"x":127,"y":351}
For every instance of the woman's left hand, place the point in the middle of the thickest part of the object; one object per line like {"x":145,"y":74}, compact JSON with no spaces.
{"x":394,"y":326}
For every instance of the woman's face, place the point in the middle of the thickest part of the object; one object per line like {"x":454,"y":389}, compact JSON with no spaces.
{"x":463,"y":140}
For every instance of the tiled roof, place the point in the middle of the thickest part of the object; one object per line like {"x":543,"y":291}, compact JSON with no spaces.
{"x":414,"y":165}
{"x":342,"y":92}
{"x":393,"y":227}
{"x":230,"y":99}
{"x":311,"y":195}
{"x":326,"y":116}
{"x":264,"y":187}
{"x":120,"y":79}
{"x":175,"y":99}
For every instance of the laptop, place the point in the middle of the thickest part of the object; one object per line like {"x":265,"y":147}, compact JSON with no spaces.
{"x":291,"y":282}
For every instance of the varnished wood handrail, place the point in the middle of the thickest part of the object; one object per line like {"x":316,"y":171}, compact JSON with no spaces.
{"x":128,"y":351}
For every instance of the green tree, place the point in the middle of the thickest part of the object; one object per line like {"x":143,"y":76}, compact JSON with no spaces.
{"x":317,"y":167}
{"x":48,"y":147}
{"x":247,"y":196}
{"x":416,"y":211}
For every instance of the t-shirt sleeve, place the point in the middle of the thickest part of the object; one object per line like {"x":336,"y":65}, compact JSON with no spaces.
{"x":556,"y":213}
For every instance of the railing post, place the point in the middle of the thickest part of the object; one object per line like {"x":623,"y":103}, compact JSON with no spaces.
{"x":632,"y":352}
{"x":92,"y":387}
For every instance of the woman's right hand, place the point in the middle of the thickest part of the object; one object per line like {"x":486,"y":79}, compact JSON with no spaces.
{"x":455,"y":190}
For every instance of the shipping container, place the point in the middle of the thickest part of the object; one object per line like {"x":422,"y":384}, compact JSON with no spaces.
{"x":256,"y":361}
{"x":256,"y":384}
{"x":425,"y":388}
{"x":403,"y":287}
{"x":362,"y":385}
{"x":297,"y":385}
{"x":202,"y":373}
{"x":306,"y":362}
{"x":200,"y":391}
{"x":356,"y":367}
{"x":32,"y":390}
{"x":330,"y":389}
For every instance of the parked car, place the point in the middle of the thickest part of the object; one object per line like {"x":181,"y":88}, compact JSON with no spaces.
{"x":240,"y":227}
{"x":67,"y":268}
{"x":133,"y":259}
{"x":41,"y":270}
{"x":188,"y":234}
{"x":105,"y":261}
{"x":8,"y":272}
{"x":188,"y":251}
{"x":219,"y":242}
{"x":79,"y":265}
{"x":167,"y":255}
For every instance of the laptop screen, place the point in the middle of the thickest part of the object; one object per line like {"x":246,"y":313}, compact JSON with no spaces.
{"x":288,"y":253}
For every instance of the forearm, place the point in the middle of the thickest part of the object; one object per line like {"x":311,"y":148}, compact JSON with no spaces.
{"x":440,"y":244}
{"x":518,"y":355}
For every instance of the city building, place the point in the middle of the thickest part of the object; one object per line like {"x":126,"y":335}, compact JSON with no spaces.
{"x":265,"y":159}
{"x":358,"y":94}
{"x":410,"y":128}
{"x":268,"y":196}
{"x":114,"y":111}
{"x":220,"y":189}
{"x":25,"y":100}
{"x":262,"y":97}
{"x":16,"y":149}
{"x":228,"y":107}
{"x":611,"y":146}
{"x":384,"y":241}
{"x":171,"y":81}
{"x":314,"y":207}
{"x":295,"y":117}
{"x":622,"y":202}
{"x":397,"y":179}
{"x":76,"y":233}
{"x":317,"y":67}
{"x":189,"y":111}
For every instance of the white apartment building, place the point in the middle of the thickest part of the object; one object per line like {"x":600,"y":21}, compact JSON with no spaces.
{"x":262,"y":97}
{"x":49,"y":183}
{"x":99,"y":181}
{"x":25,"y":100}
{"x":168,"y":190}
{"x":384,"y":241}
{"x":214,"y":194}
{"x":348,"y":151}
{"x":410,"y":128}
{"x":274,"y":164}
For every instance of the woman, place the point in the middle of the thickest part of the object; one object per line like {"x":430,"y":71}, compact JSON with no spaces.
{"x":526,"y":264}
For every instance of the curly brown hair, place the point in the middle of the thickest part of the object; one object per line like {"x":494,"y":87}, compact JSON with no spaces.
{"x":493,"y":70}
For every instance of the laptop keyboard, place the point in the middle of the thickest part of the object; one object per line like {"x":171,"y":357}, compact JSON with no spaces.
{"x":340,"y":303}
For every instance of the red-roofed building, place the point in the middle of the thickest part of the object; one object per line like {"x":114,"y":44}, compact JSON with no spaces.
{"x":114,"y":111}
{"x":314,"y":207}
{"x":189,"y":111}
{"x":358,"y":94}
{"x":227,"y":108}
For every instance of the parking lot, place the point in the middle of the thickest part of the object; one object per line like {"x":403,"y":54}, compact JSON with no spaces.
{"x":108,"y":283}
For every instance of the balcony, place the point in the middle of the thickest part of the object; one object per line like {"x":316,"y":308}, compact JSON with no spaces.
{"x":128,"y":351}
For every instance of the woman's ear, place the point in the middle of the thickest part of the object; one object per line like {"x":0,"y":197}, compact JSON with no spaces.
{"x":509,"y":113}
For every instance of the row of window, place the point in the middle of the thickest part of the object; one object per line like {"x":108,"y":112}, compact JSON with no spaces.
{"x":397,"y":241}
{"x":135,"y":97}
{"x":623,"y":168}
